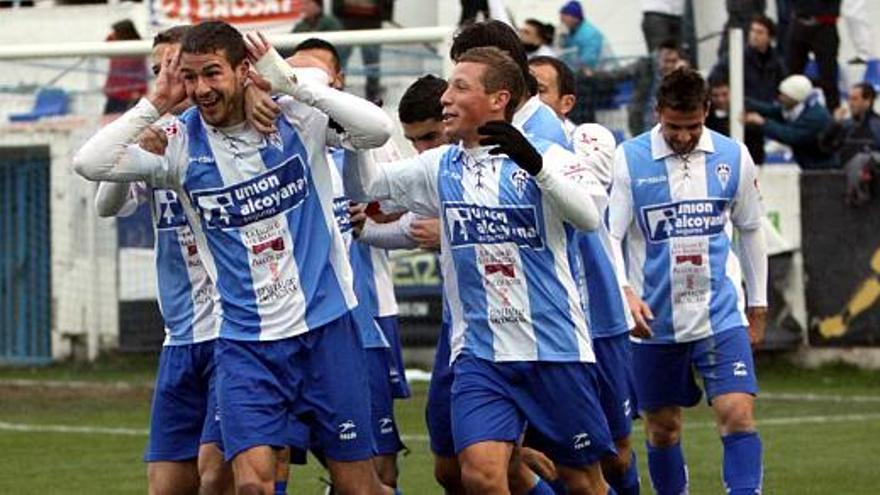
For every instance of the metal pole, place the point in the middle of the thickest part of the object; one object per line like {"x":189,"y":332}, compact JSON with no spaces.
{"x":737,"y":85}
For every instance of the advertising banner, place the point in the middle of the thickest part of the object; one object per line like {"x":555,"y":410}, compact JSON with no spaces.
{"x":265,"y":15}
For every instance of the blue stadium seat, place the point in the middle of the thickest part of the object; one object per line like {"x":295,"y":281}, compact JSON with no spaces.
{"x":48,"y":102}
{"x":872,"y":73}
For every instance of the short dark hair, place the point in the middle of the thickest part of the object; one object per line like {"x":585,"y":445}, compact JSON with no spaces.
{"x":766,"y":22}
{"x":421,"y":100}
{"x":213,"y":36}
{"x":670,"y":44}
{"x":564,"y":76}
{"x":501,"y":72}
{"x":868,"y":91}
{"x":683,"y":90}
{"x":125,"y":30}
{"x":546,"y":31}
{"x":170,"y":35}
{"x":496,"y":34}
{"x":320,"y":44}
{"x":717,"y":81}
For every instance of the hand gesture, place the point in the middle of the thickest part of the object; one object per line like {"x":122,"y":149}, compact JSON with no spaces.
{"x":257,"y":45}
{"x":358,"y":214}
{"x":259,"y":107}
{"x":169,"y":90}
{"x":509,"y":141}
{"x":641,"y":313}
{"x":154,"y":140}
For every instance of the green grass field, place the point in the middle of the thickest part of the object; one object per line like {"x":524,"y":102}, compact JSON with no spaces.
{"x":821,"y":432}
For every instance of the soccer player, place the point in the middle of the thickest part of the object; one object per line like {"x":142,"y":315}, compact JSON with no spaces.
{"x":677,"y":192}
{"x":556,"y":86}
{"x":261,"y":211}
{"x":184,"y":453}
{"x":519,"y":337}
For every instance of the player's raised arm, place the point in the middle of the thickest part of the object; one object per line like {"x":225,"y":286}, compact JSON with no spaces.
{"x":365,"y":125}
{"x":111,"y":155}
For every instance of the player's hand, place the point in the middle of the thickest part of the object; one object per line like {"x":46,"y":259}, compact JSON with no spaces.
{"x":257,"y":45}
{"x":169,"y":91}
{"x":757,"y":325}
{"x":154,"y":140}
{"x":539,"y":463}
{"x":260,"y":109}
{"x":426,"y":232}
{"x":641,"y":313}
{"x":509,"y":141}
{"x":358,"y":214}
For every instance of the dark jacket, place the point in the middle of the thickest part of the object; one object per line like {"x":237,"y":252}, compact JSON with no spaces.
{"x":852,"y":136}
{"x":802,"y":134}
{"x":809,"y":8}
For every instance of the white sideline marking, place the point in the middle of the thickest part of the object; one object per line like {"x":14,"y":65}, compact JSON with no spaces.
{"x":797,"y":420}
{"x":819,"y":397}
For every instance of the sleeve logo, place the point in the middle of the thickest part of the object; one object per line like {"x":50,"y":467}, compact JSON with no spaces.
{"x":469,"y":225}
{"x":691,"y":218}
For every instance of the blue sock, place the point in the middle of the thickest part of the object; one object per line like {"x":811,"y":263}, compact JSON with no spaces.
{"x":668,"y":470}
{"x":743,"y":469}
{"x":280,"y":487}
{"x":628,"y":484}
{"x":558,"y":486}
{"x":397,"y":491}
{"x":541,"y":488}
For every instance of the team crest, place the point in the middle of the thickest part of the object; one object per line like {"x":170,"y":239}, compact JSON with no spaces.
{"x":723,"y":173}
{"x":519,"y":178}
{"x":274,"y":140}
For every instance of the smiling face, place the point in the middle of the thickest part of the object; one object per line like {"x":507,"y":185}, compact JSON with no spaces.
{"x":467,"y":105}
{"x":682,"y":129}
{"x":215,"y":86}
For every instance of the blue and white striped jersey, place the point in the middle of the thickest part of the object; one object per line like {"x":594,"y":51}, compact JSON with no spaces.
{"x":188,"y":300}
{"x":538,"y":120}
{"x":504,"y":254}
{"x":369,"y":266}
{"x":676,"y":213}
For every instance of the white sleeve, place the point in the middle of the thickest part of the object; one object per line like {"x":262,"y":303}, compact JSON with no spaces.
{"x":747,"y":210}
{"x":364,"y":124}
{"x":109,"y":154}
{"x":570,"y":188}
{"x":620,"y":212}
{"x":411,"y":183}
{"x":118,"y":199}
{"x":391,"y":235}
{"x":753,"y":258}
{"x":594,"y":146}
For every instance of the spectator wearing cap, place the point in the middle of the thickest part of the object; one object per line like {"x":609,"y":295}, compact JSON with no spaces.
{"x":583,"y":42}
{"x":797,"y":120}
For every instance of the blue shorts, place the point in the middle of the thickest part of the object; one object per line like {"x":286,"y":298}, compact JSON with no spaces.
{"x":183,"y":414}
{"x":438,"y":411}
{"x":397,"y":372}
{"x":665,"y":372}
{"x":268,"y":390}
{"x":617,"y":393}
{"x":494,"y":401}
{"x":385,"y":432}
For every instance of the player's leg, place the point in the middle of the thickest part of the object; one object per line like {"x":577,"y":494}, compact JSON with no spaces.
{"x":215,"y":474}
{"x":522,"y":479}
{"x":664,"y":383}
{"x":176,"y":420}
{"x":725,"y":361}
{"x":385,"y":432}
{"x":438,"y":417}
{"x":485,"y":422}
{"x":256,"y":383}
{"x":573,"y":433}
{"x":337,"y":396}
{"x":618,"y":400}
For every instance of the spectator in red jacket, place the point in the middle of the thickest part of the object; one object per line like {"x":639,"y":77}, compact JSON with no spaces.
{"x":127,"y":77}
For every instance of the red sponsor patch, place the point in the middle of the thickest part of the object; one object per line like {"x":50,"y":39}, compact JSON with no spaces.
{"x":504,"y":269}
{"x":276,"y":244}
{"x":694,"y":259}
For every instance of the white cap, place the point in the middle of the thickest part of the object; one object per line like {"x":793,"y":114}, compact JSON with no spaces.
{"x":796,"y":87}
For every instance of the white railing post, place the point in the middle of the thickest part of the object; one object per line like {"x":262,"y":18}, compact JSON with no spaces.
{"x":737,"y":85}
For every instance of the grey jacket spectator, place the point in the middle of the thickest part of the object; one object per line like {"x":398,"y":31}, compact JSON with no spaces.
{"x":798,"y":120}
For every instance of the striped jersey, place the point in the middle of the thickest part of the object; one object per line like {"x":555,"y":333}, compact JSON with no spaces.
{"x":186,"y":295}
{"x":537,"y":120}
{"x":369,"y":265}
{"x":504,"y":253}
{"x":262,"y":212}
{"x":677,"y":213}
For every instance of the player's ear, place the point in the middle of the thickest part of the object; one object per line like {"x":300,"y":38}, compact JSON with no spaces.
{"x":567,"y":103}
{"x":499,"y":100}
{"x":243,"y":68}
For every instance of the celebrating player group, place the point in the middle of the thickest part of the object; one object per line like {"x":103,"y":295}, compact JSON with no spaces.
{"x":583,"y":285}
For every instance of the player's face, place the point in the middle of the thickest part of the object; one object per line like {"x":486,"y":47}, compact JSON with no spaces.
{"x":215,"y":86}
{"x":466,"y":105}
{"x":548,"y":89}
{"x":425,"y":134}
{"x":682,"y":130}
